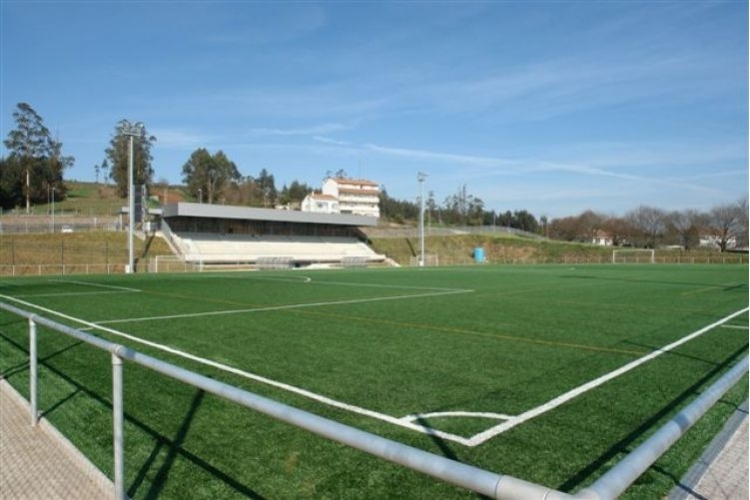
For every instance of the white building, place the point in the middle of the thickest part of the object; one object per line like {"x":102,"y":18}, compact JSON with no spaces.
{"x":355,"y":196}
{"x":602,"y":238}
{"x":320,"y":203}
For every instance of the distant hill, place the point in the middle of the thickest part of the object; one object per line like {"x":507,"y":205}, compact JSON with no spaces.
{"x":93,"y":199}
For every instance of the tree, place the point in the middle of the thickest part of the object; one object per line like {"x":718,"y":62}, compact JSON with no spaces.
{"x":118,"y":154}
{"x":565,"y":229}
{"x":648,"y":225}
{"x":431,"y":206}
{"x":619,"y":229}
{"x":725,"y":222}
{"x":463,"y":208}
{"x":589,"y":223}
{"x":208,"y":175}
{"x":525,"y":221}
{"x":543,"y":225}
{"x":581,"y":228}
{"x":267,"y":185}
{"x":686,"y":225}
{"x":35,"y":162}
{"x":295,"y":193}
{"x":105,"y":170}
{"x":742,"y":222}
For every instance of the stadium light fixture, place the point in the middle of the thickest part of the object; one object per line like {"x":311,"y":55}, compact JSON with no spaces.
{"x":132,"y":131}
{"x":421,"y":177}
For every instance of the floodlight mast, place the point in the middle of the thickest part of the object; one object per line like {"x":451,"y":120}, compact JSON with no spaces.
{"x":132,"y":131}
{"x":421,"y":177}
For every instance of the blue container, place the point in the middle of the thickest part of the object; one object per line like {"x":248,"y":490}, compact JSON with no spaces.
{"x":479,"y":255}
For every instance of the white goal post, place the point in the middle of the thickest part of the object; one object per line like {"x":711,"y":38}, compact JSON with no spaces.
{"x":633,"y":255}
{"x":430,"y":260}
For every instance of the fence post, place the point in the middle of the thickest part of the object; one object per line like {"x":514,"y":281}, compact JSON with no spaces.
{"x":117,"y":423}
{"x":33,"y":373}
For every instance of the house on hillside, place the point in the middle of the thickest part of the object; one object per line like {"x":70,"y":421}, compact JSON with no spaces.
{"x":602,"y":238}
{"x":712,"y":239}
{"x":355,"y":196}
{"x":320,"y":203}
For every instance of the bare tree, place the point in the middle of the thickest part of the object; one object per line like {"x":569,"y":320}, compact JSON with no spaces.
{"x":742,"y":214}
{"x":687,"y":225}
{"x":725,"y":223}
{"x":648,"y":223}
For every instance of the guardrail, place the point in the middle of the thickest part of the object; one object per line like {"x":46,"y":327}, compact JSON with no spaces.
{"x":473,"y":478}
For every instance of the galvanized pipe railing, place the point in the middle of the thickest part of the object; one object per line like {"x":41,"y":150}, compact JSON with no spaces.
{"x":616,"y":480}
{"x":490,"y":484}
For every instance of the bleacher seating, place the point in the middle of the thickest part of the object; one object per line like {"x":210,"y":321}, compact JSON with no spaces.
{"x":232,"y":248}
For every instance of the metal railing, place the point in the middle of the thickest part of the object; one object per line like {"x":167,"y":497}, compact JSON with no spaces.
{"x":487,"y":483}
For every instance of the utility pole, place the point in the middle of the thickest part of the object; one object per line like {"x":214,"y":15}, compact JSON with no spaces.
{"x":421,"y":177}
{"x":132,"y":131}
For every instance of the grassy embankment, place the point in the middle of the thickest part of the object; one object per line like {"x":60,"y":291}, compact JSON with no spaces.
{"x":107,"y":248}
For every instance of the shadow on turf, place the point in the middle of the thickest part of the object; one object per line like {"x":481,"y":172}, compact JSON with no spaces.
{"x":12,"y":370}
{"x":671,"y":352}
{"x":173,"y":445}
{"x":733,"y":288}
{"x":623,"y":446}
{"x":444,"y":448}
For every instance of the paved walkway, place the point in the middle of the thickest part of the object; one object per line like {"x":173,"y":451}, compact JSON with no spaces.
{"x":39,"y":463}
{"x":722,"y":472}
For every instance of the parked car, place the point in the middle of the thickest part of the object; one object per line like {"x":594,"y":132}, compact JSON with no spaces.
{"x":66,"y":229}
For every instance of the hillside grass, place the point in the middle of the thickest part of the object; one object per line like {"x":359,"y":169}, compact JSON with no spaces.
{"x":511,"y":249}
{"x":91,"y":199}
{"x":71,"y":253}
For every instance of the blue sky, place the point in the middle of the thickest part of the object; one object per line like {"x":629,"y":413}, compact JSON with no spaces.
{"x":549,"y":106}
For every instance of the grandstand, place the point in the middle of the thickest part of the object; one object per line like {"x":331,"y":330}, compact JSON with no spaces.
{"x":218,"y":234}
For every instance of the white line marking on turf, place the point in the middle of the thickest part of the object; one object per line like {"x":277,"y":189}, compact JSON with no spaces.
{"x":510,"y":421}
{"x":564,"y":398}
{"x":737,"y":327}
{"x":251,"y":276}
{"x":437,"y":414}
{"x":70,"y":294}
{"x":258,"y":378}
{"x":380,"y":285}
{"x":281,"y":307}
{"x":97,"y":285}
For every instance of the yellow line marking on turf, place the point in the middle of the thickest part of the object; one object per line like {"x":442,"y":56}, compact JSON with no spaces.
{"x":501,"y":336}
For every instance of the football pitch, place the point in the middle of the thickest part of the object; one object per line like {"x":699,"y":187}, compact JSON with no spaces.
{"x":547,"y":373}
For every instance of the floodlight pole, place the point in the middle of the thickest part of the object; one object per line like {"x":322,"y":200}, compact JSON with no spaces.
{"x":421,"y":177}
{"x":132,"y":131}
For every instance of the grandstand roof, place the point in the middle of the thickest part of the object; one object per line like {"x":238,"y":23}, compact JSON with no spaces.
{"x":247,"y":213}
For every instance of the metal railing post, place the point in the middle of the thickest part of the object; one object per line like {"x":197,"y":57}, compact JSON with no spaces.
{"x":118,"y":431}
{"x":33,"y":372}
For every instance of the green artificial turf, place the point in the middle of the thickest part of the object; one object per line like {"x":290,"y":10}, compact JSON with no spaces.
{"x":497,"y":339}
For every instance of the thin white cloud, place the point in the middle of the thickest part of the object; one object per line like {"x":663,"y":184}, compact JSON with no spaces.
{"x":180,"y":139}
{"x":417,"y":154}
{"x":486,"y":167}
{"x":651,"y":154}
{"x":557,"y":86}
{"x":324,"y":128}
{"x":328,"y":140}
